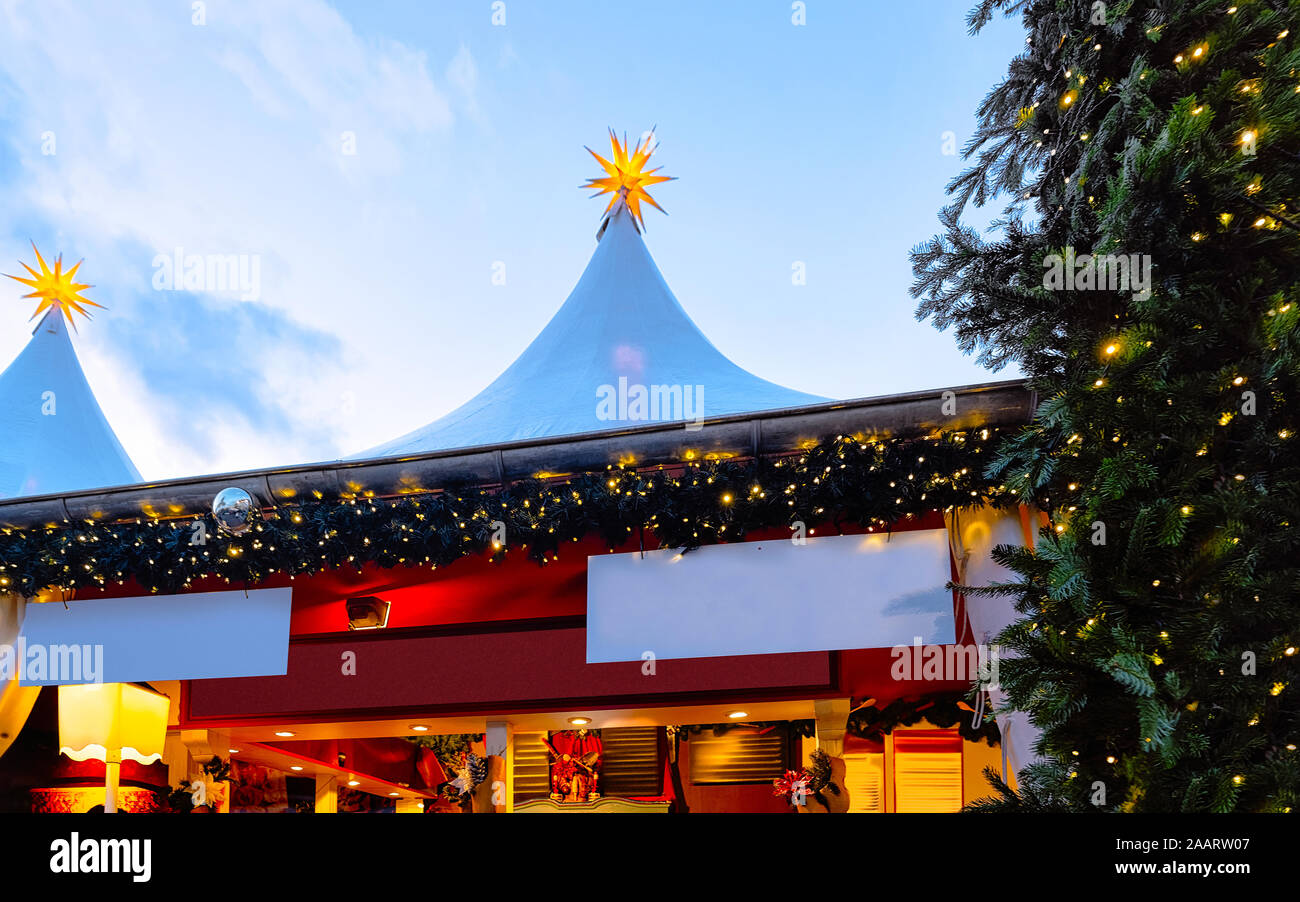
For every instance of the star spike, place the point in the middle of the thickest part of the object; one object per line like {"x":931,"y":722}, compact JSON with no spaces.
{"x":56,"y":288}
{"x":625,"y":175}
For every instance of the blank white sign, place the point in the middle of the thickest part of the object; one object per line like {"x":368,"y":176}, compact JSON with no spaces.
{"x":193,"y":636}
{"x":749,"y":598}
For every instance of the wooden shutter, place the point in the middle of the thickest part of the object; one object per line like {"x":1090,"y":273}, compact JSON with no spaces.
{"x":532,"y":763}
{"x":739,"y":755}
{"x":927,"y":771}
{"x":631,"y":765}
{"x":864,"y":778}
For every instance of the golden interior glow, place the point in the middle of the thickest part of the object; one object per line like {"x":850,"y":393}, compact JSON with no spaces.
{"x":56,"y":288}
{"x":626,"y":177}
{"x":927,"y":782}
{"x":103,"y":720}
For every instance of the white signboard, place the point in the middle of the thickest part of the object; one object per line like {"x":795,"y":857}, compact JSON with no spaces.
{"x":152,"y":637}
{"x":748,"y":598}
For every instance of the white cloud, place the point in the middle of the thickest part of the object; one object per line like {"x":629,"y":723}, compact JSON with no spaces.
{"x":462,"y":73}
{"x":227,"y":138}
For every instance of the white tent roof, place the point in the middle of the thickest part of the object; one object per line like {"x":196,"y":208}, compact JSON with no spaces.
{"x":53,"y":436}
{"x":620,"y":321}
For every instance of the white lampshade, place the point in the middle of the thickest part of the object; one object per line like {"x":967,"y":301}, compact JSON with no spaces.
{"x":96,"y":719}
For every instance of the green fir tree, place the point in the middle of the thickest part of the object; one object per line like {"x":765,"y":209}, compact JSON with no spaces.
{"x":1160,"y":610}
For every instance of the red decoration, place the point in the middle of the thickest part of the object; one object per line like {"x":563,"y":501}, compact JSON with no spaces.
{"x":792,"y":786}
{"x":575,"y":765}
{"x":430,"y":768}
{"x":80,"y":799}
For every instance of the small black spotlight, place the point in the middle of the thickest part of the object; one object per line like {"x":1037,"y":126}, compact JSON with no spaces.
{"x":367,"y":613}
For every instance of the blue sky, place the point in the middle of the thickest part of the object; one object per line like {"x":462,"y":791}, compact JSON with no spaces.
{"x":377,"y":312}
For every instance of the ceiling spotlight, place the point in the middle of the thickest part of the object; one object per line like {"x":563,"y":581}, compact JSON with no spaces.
{"x":736,"y":715}
{"x":579,"y":721}
{"x":394,"y":795}
{"x":295,"y":767}
{"x":283,"y":734}
{"x":234,"y":751}
{"x":367,"y":613}
{"x":354,"y":782}
{"x":418,"y":728}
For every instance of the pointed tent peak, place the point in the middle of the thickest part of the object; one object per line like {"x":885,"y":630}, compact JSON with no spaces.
{"x":620,"y":351}
{"x":51,"y":322}
{"x":56,"y":437}
{"x":626,"y":176}
{"x":56,"y":289}
{"x":620,"y":216}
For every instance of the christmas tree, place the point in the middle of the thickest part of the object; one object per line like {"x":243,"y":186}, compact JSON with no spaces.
{"x":1145,"y":275}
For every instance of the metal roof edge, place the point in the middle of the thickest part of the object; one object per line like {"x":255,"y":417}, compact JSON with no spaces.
{"x":750,"y":434}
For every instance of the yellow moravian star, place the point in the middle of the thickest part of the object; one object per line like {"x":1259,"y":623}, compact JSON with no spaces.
{"x":626,"y":177}
{"x":56,"y":288}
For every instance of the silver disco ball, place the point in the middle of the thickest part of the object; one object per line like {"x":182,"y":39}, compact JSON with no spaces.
{"x":233,"y":510}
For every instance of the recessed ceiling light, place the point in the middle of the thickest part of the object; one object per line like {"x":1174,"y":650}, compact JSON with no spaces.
{"x":579,"y":721}
{"x":295,"y":767}
{"x":354,"y":782}
{"x":394,"y":794}
{"x":736,"y":715}
{"x":283,"y":734}
{"x":419,"y":727}
{"x":234,"y":751}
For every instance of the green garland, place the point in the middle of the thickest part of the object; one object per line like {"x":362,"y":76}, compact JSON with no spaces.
{"x":819,"y":776}
{"x":447,"y":747}
{"x":800,"y":728}
{"x":943,"y":711}
{"x":181,"y":799}
{"x":842,"y":480}
{"x":871,"y":722}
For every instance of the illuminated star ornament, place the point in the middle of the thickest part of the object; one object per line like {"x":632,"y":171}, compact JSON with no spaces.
{"x":56,"y":288}
{"x":626,"y":177}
